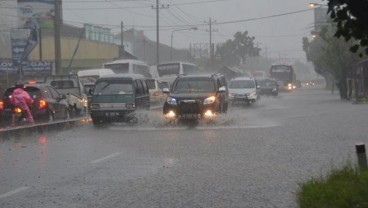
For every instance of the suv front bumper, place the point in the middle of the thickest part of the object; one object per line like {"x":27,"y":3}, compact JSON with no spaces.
{"x":194,"y":110}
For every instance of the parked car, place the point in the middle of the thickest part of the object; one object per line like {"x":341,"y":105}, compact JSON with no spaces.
{"x":117,"y":97}
{"x":48,"y":105}
{"x":243,"y":90}
{"x":155,"y":90}
{"x":196,"y":97}
{"x":268,"y":87}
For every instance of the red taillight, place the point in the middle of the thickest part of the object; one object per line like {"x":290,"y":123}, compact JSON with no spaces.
{"x":1,"y":105}
{"x":17,"y":110}
{"x":156,"y":94}
{"x":42,"y":104}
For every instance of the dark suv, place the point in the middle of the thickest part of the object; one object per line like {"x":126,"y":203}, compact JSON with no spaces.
{"x":196,"y":97}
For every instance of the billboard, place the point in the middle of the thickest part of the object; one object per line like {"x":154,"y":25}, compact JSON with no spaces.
{"x":36,"y":13}
{"x":19,"y":40}
{"x":34,"y":68}
{"x":320,"y":18}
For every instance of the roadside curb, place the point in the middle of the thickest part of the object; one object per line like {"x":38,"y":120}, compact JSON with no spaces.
{"x":20,"y":131}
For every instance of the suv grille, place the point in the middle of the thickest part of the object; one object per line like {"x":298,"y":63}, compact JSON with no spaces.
{"x":189,"y":107}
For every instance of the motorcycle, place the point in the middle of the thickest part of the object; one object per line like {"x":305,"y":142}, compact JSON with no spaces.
{"x":19,"y":117}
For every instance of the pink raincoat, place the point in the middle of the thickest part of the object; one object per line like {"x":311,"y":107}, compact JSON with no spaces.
{"x":21,"y":99}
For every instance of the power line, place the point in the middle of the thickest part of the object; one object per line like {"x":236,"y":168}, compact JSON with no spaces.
{"x":203,"y":24}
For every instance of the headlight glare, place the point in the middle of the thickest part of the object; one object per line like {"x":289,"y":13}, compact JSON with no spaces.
{"x":171,"y":101}
{"x":209,"y":100}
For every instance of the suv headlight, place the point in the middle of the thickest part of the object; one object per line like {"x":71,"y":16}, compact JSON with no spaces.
{"x":253,"y":94}
{"x":209,"y":100}
{"x":171,"y":101}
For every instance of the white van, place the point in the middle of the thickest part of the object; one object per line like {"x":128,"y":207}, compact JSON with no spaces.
{"x":88,"y":77}
{"x":129,"y":66}
{"x":170,"y":70}
{"x":94,"y":73}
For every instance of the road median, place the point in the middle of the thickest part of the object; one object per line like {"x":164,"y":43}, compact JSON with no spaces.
{"x":40,"y":128}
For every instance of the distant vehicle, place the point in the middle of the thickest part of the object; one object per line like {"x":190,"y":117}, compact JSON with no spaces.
{"x":91,"y":75}
{"x":169,"y":71}
{"x":72,"y":87}
{"x":129,"y":66}
{"x":48,"y":105}
{"x":259,"y":74}
{"x":268,"y":87}
{"x":155,"y":90}
{"x":117,"y":97}
{"x":285,"y":76}
{"x":194,"y":97}
{"x":243,"y":90}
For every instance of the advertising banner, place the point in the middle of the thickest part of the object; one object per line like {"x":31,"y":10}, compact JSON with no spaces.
{"x":19,"y":40}
{"x":34,"y":68}
{"x":37,"y":13}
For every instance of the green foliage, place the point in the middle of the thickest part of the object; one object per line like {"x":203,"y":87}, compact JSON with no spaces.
{"x":351,"y":17}
{"x":331,"y":56}
{"x":343,"y":188}
{"x":236,"y":51}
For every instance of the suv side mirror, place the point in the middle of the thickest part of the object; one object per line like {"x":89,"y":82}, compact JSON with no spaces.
{"x":166,"y":90}
{"x":258,"y":86}
{"x":222,"y":89}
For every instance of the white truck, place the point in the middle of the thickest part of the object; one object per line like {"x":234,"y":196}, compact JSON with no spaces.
{"x":71,"y":86}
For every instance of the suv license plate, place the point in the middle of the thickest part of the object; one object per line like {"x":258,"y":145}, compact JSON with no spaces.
{"x":189,"y":116}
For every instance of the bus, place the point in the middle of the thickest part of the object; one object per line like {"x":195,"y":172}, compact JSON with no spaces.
{"x":285,"y":76}
{"x":169,"y":71}
{"x":129,"y":66}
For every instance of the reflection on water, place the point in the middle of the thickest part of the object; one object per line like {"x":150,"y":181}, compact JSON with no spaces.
{"x":42,"y":151}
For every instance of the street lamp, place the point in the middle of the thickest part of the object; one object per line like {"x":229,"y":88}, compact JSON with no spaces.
{"x":314,"y":5}
{"x":172,"y":35}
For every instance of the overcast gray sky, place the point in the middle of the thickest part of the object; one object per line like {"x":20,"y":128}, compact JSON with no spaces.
{"x":280,"y":35}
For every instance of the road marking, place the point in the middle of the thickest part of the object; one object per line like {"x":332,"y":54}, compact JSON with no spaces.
{"x":105,"y":158}
{"x":15,"y":191}
{"x":271,"y":125}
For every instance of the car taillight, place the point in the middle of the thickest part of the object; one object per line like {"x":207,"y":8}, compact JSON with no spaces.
{"x":17,"y":110}
{"x":156,"y":94}
{"x":42,"y":104}
{"x":1,"y":105}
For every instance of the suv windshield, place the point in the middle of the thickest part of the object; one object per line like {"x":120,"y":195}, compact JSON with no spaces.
{"x":194,"y":85}
{"x":113,"y":87}
{"x":241,"y":84}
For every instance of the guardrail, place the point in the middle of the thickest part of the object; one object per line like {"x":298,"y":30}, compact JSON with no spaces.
{"x":39,"y":128}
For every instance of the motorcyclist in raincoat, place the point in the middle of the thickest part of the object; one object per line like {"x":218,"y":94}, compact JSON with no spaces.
{"x":21,"y":99}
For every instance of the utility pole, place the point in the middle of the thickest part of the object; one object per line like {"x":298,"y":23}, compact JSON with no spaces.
{"x":158,"y":7}
{"x":40,"y":42}
{"x":122,"y":49}
{"x":57,"y":33}
{"x":210,"y":22}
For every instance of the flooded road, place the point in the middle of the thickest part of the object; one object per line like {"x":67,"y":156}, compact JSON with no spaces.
{"x":254,"y":156}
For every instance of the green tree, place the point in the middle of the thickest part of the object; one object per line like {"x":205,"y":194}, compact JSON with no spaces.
{"x":331,"y":58}
{"x":351,"y":17}
{"x":236,"y":51}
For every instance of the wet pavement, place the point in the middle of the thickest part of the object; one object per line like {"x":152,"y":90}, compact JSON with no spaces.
{"x":254,"y":156}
